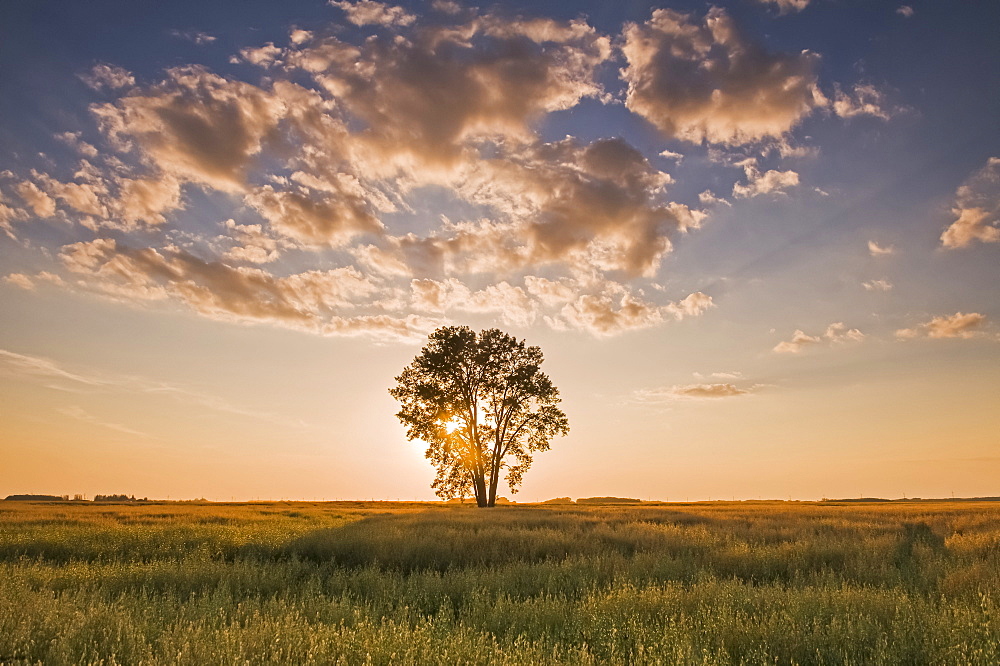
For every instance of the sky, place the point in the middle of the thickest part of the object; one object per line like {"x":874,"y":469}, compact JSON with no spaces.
{"x":757,"y":242}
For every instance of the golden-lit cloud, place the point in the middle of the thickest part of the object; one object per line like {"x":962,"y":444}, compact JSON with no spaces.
{"x":836,"y":333}
{"x":766,"y":182}
{"x":958,"y":325}
{"x":310,"y":301}
{"x":29,"y":282}
{"x":977,"y":209}
{"x":786,"y":6}
{"x":877,"y":285}
{"x":195,"y":125}
{"x":703,"y":80}
{"x":330,"y":157}
{"x":313,"y":218}
{"x":370,"y":12}
{"x":863,"y":100}
{"x":105,"y":76}
{"x":877,"y":250}
{"x":424,"y":99}
{"x":596,"y":205}
{"x":616,"y":311}
{"x":40,"y":203}
{"x":73,"y":140}
{"x":250,"y":243}
{"x":677,"y":392}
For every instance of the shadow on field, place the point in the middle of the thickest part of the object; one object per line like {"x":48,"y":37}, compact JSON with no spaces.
{"x":463,"y":538}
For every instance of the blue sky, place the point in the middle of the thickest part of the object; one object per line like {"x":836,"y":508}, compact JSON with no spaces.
{"x":756,"y":240}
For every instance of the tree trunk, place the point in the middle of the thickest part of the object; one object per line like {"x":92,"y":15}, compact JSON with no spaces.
{"x":481,"y":498}
{"x":493,"y":489}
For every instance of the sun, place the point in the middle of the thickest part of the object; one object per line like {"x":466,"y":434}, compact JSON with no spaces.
{"x":452,"y":424}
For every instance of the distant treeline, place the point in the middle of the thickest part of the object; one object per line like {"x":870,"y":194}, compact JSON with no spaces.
{"x":593,"y":500}
{"x":74,"y":498}
{"x":916,"y":499}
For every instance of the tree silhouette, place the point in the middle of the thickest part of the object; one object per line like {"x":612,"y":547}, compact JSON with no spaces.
{"x":482,"y":405}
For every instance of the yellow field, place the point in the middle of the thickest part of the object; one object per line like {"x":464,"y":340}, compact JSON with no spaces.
{"x":386,"y":583}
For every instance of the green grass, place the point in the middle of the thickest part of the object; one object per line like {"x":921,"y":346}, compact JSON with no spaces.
{"x":300,"y":583}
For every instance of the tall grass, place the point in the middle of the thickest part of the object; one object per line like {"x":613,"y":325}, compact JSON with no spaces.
{"x":291,"y":583}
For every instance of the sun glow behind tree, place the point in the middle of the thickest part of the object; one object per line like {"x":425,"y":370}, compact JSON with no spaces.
{"x":482,"y":405}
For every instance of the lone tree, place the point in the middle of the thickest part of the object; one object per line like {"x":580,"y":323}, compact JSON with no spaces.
{"x":482,"y":404}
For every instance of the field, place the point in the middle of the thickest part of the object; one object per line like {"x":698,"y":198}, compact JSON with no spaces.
{"x":382,"y":583}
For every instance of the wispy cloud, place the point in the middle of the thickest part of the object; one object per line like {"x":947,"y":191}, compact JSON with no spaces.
{"x":194,"y":36}
{"x":877,"y":250}
{"x":693,"y":392}
{"x":53,"y":375}
{"x":877,"y":285}
{"x":80,"y":414}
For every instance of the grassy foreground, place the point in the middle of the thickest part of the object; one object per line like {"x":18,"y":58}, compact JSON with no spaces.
{"x":303,"y":583}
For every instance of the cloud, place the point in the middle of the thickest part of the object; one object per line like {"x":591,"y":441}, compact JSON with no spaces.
{"x":798,"y":341}
{"x":877,"y":285}
{"x":836,"y":333}
{"x":29,"y":282}
{"x":8,"y":215}
{"x":19,"y":280}
{"x":310,"y":301}
{"x":195,"y":126}
{"x":786,"y":6}
{"x":693,"y":392}
{"x":605,"y":316}
{"x":512,"y":303}
{"x":905,"y":11}
{"x":958,"y":325}
{"x":610,"y":313}
{"x":707,"y":198}
{"x":692,"y":305}
{"x":702,"y":80}
{"x":144,"y":201}
{"x":315,"y":219}
{"x":54,"y":375}
{"x":42,"y":368}
{"x":865,"y":100}
{"x":40,"y":203}
{"x":104,"y":76}
{"x":595,"y":205}
{"x":80,"y":414}
{"x":73,"y":140}
{"x":977,"y":209}
{"x":759,"y":183}
{"x":299,"y":36}
{"x":877,"y":250}
{"x":369,"y":12}
{"x":329,"y":159}
{"x":252,"y":244}
{"x":262,"y":56}
{"x":483,"y":79}
{"x":719,"y":375}
{"x":195,"y":36}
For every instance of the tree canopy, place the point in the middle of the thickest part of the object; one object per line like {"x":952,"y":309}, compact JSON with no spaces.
{"x":482,"y":405}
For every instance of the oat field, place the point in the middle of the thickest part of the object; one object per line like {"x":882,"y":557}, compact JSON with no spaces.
{"x":408,"y":583}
